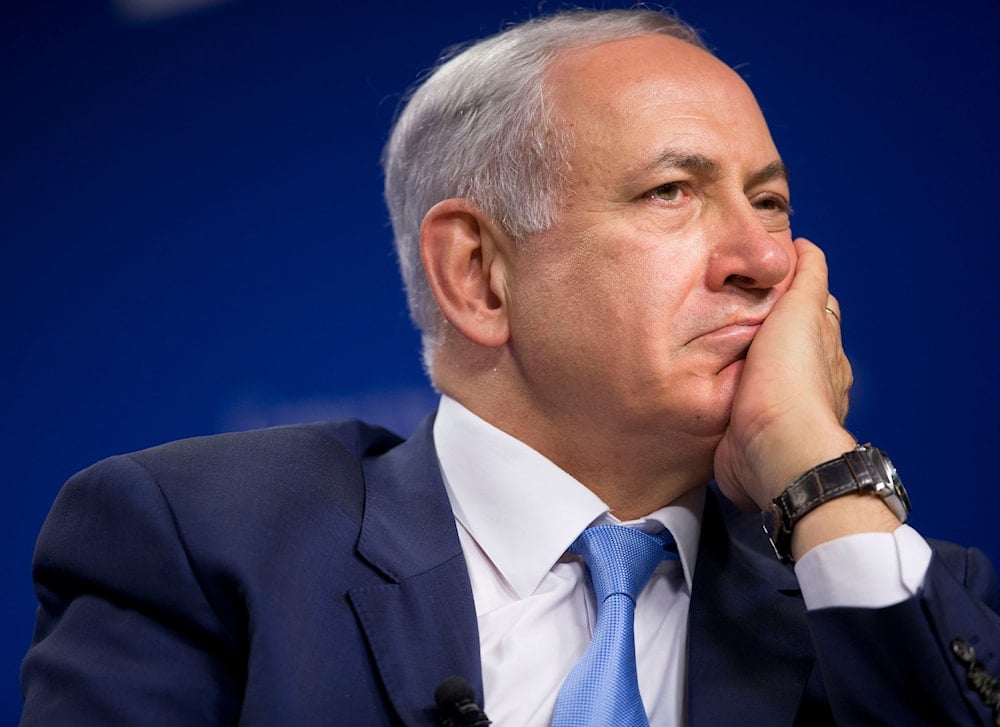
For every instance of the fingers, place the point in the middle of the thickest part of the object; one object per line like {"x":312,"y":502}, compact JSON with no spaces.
{"x":832,"y":308}
{"x":811,"y":275}
{"x":842,"y":366}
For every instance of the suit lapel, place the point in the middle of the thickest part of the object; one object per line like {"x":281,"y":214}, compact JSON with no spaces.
{"x":421,"y":624}
{"x":749,"y":650}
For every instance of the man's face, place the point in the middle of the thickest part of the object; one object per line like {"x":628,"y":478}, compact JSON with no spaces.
{"x":635,"y":311}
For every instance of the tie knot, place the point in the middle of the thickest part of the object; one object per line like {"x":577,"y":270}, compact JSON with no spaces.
{"x":621,"y":559}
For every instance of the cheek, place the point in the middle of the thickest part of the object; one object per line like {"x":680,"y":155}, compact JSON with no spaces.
{"x":614,"y":291}
{"x":554,"y":307}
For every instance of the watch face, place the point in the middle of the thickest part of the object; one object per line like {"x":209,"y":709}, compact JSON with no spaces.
{"x":781,"y":539}
{"x":769,"y":519}
{"x":891,"y":486}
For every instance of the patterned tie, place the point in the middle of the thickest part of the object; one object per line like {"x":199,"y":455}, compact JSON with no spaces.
{"x":602,"y":690}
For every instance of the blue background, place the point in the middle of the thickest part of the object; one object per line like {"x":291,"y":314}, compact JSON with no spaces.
{"x":192,"y":237}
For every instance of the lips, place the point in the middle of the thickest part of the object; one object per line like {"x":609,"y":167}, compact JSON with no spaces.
{"x":729,"y":342}
{"x":738,"y":335}
{"x":745,"y":321}
{"x":740,"y":329}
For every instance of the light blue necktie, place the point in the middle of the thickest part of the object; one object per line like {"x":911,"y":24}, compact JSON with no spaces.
{"x":602,"y":690}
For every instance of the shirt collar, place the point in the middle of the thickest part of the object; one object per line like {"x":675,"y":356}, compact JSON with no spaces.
{"x":523,"y":510}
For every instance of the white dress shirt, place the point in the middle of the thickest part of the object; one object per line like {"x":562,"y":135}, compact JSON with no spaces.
{"x":517,"y":513}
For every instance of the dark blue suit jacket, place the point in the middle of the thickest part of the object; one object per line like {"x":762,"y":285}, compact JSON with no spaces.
{"x":312,"y":575}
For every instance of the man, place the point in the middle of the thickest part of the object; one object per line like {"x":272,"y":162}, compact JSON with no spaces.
{"x":593,"y":225}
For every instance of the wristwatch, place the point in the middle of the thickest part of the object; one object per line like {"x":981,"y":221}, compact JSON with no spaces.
{"x":863,"y":469}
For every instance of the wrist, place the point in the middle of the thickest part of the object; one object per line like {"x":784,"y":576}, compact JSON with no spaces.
{"x":848,"y":515}
{"x":801,"y":455}
{"x":830,"y":492}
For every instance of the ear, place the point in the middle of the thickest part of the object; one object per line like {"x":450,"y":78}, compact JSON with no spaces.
{"x":465,"y":259}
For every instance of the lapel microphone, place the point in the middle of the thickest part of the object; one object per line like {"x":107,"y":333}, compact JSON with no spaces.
{"x":456,"y":703}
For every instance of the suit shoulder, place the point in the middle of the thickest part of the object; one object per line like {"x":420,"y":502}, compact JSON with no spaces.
{"x":349,"y":440}
{"x":278,"y":454}
{"x":253,"y":474}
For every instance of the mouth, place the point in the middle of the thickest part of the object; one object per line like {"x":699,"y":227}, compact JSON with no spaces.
{"x":730,"y":342}
{"x":733,"y":323}
{"x":746,"y":322}
{"x":734,"y":332}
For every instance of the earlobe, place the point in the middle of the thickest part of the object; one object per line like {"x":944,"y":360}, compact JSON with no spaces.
{"x":464,"y":257}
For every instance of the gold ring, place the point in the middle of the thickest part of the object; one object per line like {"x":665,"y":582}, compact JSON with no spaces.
{"x":833,"y":313}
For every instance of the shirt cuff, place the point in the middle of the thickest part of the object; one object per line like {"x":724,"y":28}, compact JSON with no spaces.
{"x":867,"y":570}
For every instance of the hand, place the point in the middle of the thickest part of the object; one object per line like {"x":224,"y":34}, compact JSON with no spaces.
{"x":789,"y":408}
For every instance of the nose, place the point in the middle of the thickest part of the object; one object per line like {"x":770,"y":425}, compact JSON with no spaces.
{"x":746,"y":254}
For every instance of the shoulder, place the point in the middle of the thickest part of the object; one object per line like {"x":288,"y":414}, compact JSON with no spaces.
{"x":252,"y":457}
{"x":266,"y":450}
{"x":233,"y":488}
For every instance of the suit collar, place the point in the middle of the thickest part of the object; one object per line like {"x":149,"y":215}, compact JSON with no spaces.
{"x":746,"y":611}
{"x":421,"y":623}
{"x":522,"y":510}
{"x":408,"y":526}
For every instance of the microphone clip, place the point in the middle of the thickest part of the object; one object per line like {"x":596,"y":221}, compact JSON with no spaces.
{"x":456,"y":703}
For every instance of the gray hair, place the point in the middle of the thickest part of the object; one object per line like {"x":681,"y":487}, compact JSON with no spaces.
{"x":478,"y":128}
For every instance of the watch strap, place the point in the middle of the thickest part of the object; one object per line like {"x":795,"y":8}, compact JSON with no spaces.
{"x":851,"y":472}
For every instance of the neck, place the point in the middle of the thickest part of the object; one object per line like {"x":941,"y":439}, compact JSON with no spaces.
{"x":635,"y":466}
{"x":633,"y":474}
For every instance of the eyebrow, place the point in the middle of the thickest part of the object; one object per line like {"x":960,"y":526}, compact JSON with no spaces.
{"x":695,"y":163}
{"x":701,"y":164}
{"x":774,"y":170}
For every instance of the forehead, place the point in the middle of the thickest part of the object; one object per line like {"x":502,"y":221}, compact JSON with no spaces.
{"x":631,"y":100}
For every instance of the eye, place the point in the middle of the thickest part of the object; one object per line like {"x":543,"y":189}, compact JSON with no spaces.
{"x":774,"y":210}
{"x":773,"y":204}
{"x":670,"y":192}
